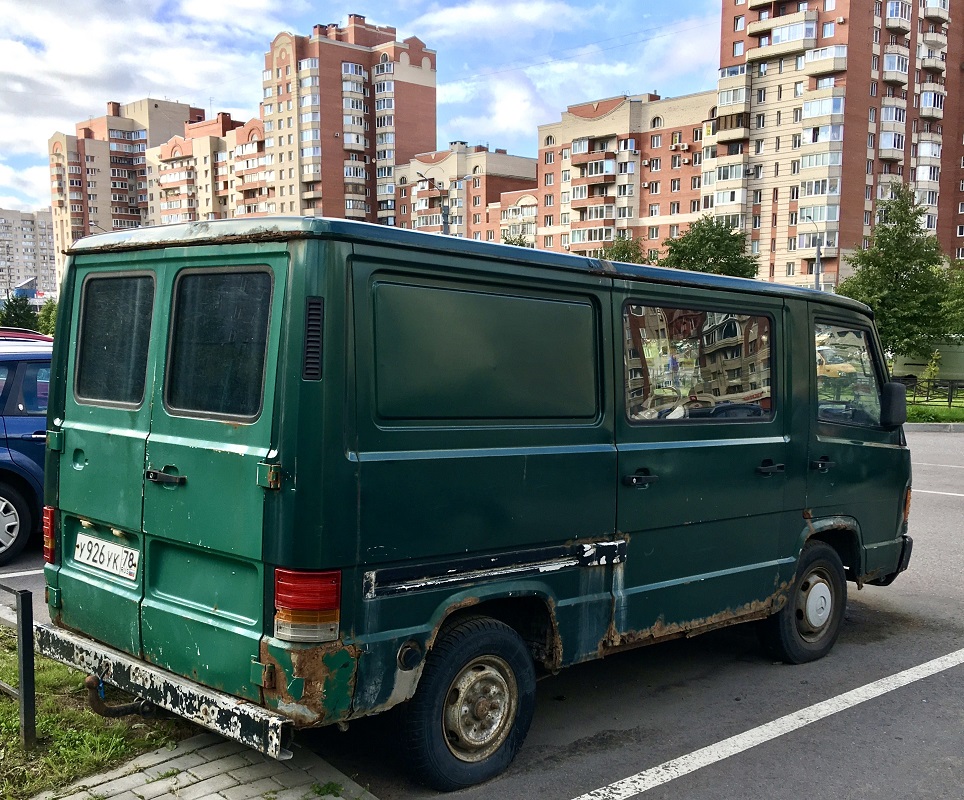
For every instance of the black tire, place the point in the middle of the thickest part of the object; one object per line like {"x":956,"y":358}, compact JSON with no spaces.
{"x":16,"y":523}
{"x":473,"y":706}
{"x":807,"y":627}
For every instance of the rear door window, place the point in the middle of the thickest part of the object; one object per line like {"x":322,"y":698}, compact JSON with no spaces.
{"x":219,"y":334}
{"x":115,"y":331}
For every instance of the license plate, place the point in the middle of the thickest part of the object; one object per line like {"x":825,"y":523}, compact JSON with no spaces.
{"x":106,"y":556}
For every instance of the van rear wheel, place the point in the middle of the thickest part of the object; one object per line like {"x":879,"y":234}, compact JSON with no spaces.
{"x":472,"y":709}
{"x":807,"y":627}
{"x":15,"y":523}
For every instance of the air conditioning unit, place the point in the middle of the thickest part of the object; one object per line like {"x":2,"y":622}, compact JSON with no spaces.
{"x":684,"y":146}
{"x":841,"y":20}
{"x":672,"y":147}
{"x":635,"y":152}
{"x":686,"y":161}
{"x":644,"y":162}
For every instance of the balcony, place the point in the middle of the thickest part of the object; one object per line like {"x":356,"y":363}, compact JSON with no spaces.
{"x":732,"y":134}
{"x":931,"y":112}
{"x":936,"y":11}
{"x":826,"y":60}
{"x":897,"y":24}
{"x":793,"y":46}
{"x":595,"y":180}
{"x":890,"y":154}
{"x":935,"y":40}
{"x":581,"y":159}
{"x":894,"y":77}
{"x":759,"y":3}
{"x":933,"y":63}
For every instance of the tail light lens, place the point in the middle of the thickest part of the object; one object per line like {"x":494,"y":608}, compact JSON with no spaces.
{"x":307,"y":605}
{"x":907,"y":507}
{"x":50,"y":534}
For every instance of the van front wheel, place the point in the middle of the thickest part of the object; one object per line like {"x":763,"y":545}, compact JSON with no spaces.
{"x":806,"y":628}
{"x":472,"y":709}
{"x":15,"y":523}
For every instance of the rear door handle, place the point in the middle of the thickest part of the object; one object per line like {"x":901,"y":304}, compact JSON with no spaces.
{"x":639,"y":480}
{"x":156,"y":476}
{"x":823,"y":464}
{"x":39,"y":436}
{"x":769,"y":468}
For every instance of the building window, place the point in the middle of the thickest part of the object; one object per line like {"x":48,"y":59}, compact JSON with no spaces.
{"x":549,"y":178}
{"x":739,"y":23}
{"x":738,"y":48}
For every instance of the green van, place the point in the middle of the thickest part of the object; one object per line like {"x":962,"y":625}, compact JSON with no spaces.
{"x":300,"y":471}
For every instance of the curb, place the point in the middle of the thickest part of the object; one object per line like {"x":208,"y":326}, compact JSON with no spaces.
{"x":934,"y":427}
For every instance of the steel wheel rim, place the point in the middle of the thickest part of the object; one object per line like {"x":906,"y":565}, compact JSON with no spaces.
{"x":9,"y":524}
{"x":480,"y":708}
{"x":815,"y":605}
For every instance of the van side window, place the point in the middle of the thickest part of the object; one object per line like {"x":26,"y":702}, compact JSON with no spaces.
{"x":847,"y":388}
{"x":683,"y":364}
{"x":115,"y":330}
{"x":219,"y":335}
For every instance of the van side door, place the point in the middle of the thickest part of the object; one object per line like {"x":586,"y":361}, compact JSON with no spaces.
{"x":857,"y":470}
{"x":703,"y":453}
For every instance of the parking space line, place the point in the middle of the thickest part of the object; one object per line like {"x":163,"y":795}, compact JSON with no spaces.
{"x":945,"y":466}
{"x":25,"y":574}
{"x":677,"y":767}
{"x":945,"y":494}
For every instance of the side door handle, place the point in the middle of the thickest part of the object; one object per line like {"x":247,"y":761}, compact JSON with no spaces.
{"x":823,"y":464}
{"x":38,"y":436}
{"x":156,"y":476}
{"x":640,"y":480}
{"x":769,"y":468}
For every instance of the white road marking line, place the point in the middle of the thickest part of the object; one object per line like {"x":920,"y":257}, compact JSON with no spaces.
{"x":926,"y":464}
{"x":946,"y":494}
{"x":24,"y":574}
{"x":677,"y":767}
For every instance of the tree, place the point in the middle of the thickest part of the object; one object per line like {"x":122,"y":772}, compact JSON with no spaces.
{"x":952,"y":307}
{"x":47,"y":318}
{"x":17,"y":313}
{"x":710,"y":245}
{"x":518,"y":241}
{"x":628,"y":251}
{"x":901,"y":276}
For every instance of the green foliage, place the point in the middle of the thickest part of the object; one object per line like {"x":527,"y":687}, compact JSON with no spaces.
{"x":921,"y":413}
{"x":710,"y":245}
{"x":628,"y":251}
{"x":952,"y":307}
{"x":17,"y":313}
{"x":901,"y":276}
{"x":933,"y":368}
{"x":518,"y":241}
{"x":47,"y":318}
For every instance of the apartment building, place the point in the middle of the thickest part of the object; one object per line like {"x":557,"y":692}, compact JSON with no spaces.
{"x":27,"y":253}
{"x":98,"y":173}
{"x":215,"y":170}
{"x":628,"y":166}
{"x":459,"y":191}
{"x":821,"y":106}
{"x":341,"y":109}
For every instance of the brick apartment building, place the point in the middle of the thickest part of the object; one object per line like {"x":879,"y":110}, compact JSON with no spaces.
{"x":27,"y":253}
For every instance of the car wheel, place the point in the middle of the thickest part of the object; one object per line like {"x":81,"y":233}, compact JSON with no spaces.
{"x":806,"y":628}
{"x":472,"y":709}
{"x":15,"y":523}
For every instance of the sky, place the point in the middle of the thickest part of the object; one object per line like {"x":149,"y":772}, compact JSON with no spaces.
{"x":504,"y":67}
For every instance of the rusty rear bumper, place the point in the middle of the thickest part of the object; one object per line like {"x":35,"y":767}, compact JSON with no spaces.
{"x":259,"y":728}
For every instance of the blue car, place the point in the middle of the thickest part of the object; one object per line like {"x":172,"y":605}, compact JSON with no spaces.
{"x":24,"y":382}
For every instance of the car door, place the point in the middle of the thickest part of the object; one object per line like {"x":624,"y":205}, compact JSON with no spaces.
{"x":857,"y":469}
{"x":702,"y":440}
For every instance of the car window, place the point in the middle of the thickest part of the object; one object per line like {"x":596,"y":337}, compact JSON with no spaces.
{"x":687,"y":364}
{"x":32,"y":391}
{"x":847,"y":387}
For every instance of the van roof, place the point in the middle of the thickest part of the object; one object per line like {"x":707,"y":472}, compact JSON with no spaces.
{"x":264,"y":229}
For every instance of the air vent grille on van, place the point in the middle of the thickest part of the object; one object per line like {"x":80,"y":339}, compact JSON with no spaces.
{"x":314,"y":327}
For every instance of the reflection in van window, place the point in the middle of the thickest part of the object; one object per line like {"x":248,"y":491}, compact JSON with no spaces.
{"x":847,"y":390}
{"x":218,"y":342}
{"x":115,"y":329}
{"x":685,"y":364}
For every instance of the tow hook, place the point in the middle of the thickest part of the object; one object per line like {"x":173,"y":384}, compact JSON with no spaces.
{"x":95,"y":696}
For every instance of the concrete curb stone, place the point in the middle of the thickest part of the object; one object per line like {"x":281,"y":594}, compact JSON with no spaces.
{"x":934,"y":427}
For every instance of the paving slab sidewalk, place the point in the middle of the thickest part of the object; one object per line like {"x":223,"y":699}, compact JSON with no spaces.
{"x":209,"y":766}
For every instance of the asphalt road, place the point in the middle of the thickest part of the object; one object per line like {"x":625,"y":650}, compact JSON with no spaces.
{"x":600,"y":723}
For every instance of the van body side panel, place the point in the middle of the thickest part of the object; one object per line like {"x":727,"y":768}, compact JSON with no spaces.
{"x":865,"y":468}
{"x":702,"y":496}
{"x":484,"y":437}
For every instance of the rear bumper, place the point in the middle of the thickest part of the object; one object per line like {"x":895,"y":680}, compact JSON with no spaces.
{"x":259,"y":728}
{"x":906,"y":548}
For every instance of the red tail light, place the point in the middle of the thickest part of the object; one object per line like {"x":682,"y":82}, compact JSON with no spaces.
{"x":50,"y":534}
{"x":307,"y":605}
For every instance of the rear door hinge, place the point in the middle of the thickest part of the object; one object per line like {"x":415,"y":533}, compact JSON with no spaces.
{"x":269,"y":475}
{"x":262,"y":674}
{"x":55,"y":441}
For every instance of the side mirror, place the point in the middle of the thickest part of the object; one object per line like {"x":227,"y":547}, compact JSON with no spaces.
{"x":893,"y":405}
